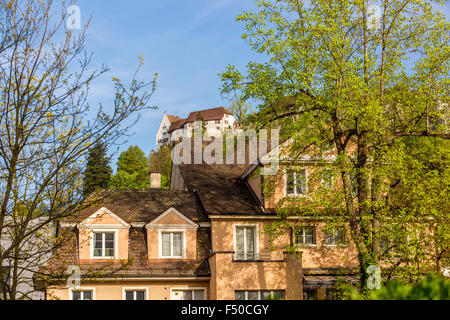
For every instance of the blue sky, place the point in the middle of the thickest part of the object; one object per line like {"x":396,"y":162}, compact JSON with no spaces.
{"x":187,"y":42}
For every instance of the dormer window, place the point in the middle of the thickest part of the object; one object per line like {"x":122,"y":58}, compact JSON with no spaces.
{"x":104,"y":244}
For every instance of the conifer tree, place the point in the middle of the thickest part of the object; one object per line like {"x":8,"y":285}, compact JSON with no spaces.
{"x":98,"y":171}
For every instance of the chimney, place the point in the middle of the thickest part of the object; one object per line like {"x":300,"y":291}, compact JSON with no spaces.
{"x":155,"y":180}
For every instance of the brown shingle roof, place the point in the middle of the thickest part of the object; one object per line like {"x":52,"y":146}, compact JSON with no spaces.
{"x":139,"y":266}
{"x":173,"y":118}
{"x":176,"y":125}
{"x":143,"y":205}
{"x":219,"y":188}
{"x":208,"y":114}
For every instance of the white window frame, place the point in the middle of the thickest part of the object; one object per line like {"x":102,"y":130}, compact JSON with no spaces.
{"x":259,"y":294}
{"x":204,"y":289}
{"x":305,"y":244}
{"x":183,"y":237}
{"x":92,"y":289}
{"x":125,"y":289}
{"x":256,"y":226}
{"x":295,"y":170}
{"x":116,"y":254}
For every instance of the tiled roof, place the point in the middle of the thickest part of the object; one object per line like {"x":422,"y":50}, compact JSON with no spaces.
{"x":173,"y":118}
{"x":139,"y":267}
{"x":143,"y":205}
{"x":208,"y":114}
{"x":176,"y":125}
{"x":219,"y":188}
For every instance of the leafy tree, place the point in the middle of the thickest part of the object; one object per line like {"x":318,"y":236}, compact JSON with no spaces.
{"x":132,"y":170}
{"x":240,"y":110}
{"x":201,"y":121}
{"x":46,"y":130}
{"x":161,"y":161}
{"x":433,"y":287}
{"x":98,"y":171}
{"x":339,"y":75}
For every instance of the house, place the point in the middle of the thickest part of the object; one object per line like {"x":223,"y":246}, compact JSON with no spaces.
{"x":216,"y":121}
{"x":162,"y":135}
{"x":239,"y":210}
{"x":19,"y":267}
{"x":204,"y":239}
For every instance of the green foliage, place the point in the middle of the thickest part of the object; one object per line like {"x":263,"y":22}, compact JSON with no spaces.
{"x":333,"y":79}
{"x":432,"y":288}
{"x":165,"y":182}
{"x":240,"y":110}
{"x":161,"y":161}
{"x":98,"y":171}
{"x":133,"y":160}
{"x":132,"y":170}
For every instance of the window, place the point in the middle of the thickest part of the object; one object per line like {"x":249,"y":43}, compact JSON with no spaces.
{"x":245,"y":243}
{"x":135,"y":294}
{"x":4,"y":284}
{"x":188,"y":294}
{"x":82,"y":295}
{"x":310,"y":294}
{"x":259,"y":295}
{"x":305,"y":235}
{"x":217,"y":121}
{"x":104,"y":244}
{"x":172,"y":244}
{"x":335,"y":237}
{"x":296,"y":182}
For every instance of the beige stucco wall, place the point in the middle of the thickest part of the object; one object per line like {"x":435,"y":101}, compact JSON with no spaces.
{"x":328,"y":257}
{"x":231,"y":276}
{"x":317,"y":256}
{"x":157,"y":290}
{"x":222,"y":235}
{"x":270,"y":274}
{"x":262,"y":275}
